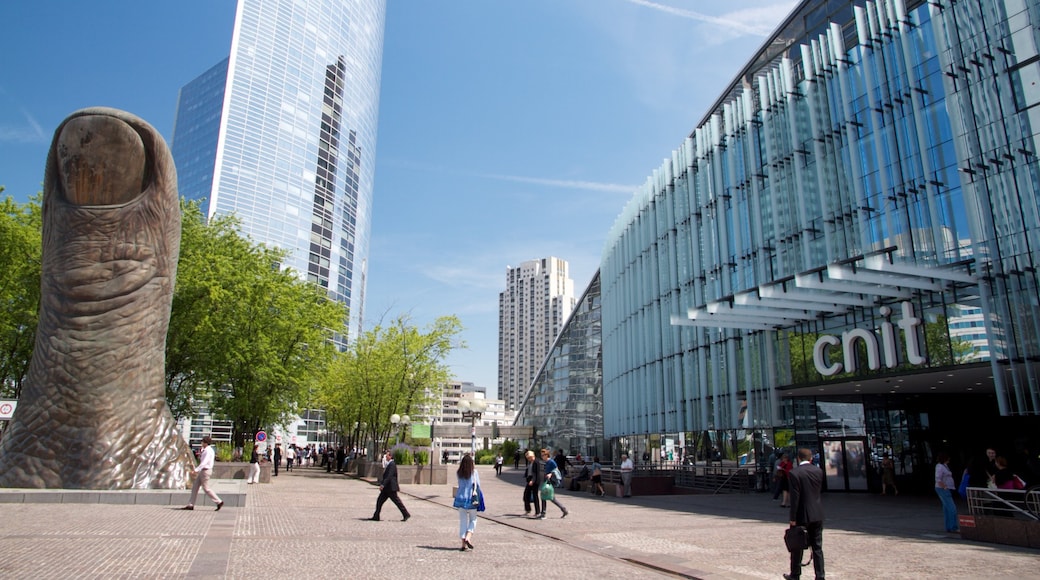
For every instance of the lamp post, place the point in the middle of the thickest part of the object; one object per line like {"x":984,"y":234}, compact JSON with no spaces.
{"x":472,"y":410}
{"x":399,"y":422}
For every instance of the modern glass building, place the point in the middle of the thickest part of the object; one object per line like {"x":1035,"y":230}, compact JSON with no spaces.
{"x":801,"y":269}
{"x":565,"y":403}
{"x":282,"y":134}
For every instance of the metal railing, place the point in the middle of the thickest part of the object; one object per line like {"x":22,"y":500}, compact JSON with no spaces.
{"x":1024,"y":503}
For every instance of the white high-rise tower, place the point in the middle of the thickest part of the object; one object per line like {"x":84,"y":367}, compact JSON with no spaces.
{"x":538,"y":299}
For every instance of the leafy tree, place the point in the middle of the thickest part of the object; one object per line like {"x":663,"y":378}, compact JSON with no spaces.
{"x":390,"y":369}
{"x":20,"y":251}
{"x":245,"y":334}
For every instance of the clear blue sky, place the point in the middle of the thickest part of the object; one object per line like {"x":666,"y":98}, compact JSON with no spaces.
{"x":508,"y":130}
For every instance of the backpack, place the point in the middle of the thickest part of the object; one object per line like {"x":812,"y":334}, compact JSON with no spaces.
{"x":557,"y":477}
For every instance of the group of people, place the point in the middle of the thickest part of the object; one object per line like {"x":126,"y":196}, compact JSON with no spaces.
{"x":543,"y":474}
{"x":991,"y":472}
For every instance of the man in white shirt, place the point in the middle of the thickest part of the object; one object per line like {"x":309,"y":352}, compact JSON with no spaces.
{"x":626,"y":474}
{"x":202,"y":476}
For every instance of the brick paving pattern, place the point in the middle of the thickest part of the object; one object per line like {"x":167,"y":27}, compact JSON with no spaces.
{"x":310,"y":524}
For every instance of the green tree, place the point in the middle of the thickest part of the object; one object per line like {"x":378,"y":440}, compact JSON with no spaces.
{"x":247,"y":335}
{"x":396,"y":368}
{"x":20,"y":250}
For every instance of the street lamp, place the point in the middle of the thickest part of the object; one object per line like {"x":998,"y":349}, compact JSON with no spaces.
{"x":399,"y":420}
{"x":472,"y":410}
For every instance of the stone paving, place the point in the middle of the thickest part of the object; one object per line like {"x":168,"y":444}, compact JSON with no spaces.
{"x":310,"y":524}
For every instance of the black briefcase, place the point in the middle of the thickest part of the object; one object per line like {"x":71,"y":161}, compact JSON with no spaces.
{"x":796,"y":538}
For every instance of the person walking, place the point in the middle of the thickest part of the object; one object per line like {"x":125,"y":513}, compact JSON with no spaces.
{"x":277,"y":457}
{"x":202,"y":471}
{"x":943,"y":484}
{"x":388,"y":488}
{"x":254,"y":465}
{"x":626,"y":474}
{"x":516,"y":459}
{"x":784,"y":470}
{"x":805,"y":483}
{"x":290,"y":458}
{"x":468,"y":487}
{"x":597,"y":476}
{"x":498,"y":463}
{"x":549,"y":480}
{"x":533,"y":475}
{"x":888,"y":475}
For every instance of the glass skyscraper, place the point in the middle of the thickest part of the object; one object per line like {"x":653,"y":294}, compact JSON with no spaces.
{"x":282,"y":134}
{"x":802,"y":269}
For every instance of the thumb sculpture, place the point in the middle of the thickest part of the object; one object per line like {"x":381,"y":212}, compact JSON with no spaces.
{"x":93,"y":411}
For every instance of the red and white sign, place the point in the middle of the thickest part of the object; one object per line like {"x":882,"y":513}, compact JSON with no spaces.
{"x":7,"y":407}
{"x":261,"y":436}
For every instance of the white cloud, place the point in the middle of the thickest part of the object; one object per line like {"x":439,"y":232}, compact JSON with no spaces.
{"x":733,"y":22}
{"x":626,"y":189}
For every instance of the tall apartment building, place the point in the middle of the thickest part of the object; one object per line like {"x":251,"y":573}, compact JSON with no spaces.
{"x":539,"y":297}
{"x":282,"y":134}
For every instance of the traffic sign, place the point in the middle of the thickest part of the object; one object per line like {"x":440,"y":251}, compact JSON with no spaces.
{"x":7,"y":407}
{"x":261,"y":436}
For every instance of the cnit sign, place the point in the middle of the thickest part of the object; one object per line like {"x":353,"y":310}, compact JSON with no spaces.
{"x":908,"y":324}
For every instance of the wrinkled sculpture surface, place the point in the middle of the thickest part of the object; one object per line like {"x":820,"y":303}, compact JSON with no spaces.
{"x":93,"y":411}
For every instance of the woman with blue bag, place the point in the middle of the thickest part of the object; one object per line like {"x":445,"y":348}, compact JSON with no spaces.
{"x":469,"y":499}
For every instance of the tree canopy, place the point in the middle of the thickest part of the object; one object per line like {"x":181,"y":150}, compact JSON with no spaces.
{"x":20,"y":249}
{"x":390,"y":369}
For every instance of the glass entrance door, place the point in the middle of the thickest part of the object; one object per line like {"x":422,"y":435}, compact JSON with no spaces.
{"x":844,"y":464}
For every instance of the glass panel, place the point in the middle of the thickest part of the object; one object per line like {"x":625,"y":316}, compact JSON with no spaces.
{"x":833,"y":464}
{"x":856,"y":459}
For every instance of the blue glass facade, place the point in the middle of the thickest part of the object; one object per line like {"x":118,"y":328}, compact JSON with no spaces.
{"x":802,"y":269}
{"x":283,"y":135}
{"x":565,"y":401}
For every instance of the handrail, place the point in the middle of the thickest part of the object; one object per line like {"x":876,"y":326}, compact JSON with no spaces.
{"x":983,"y":500}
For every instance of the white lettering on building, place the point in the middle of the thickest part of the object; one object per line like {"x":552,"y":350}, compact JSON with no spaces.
{"x":908,"y":324}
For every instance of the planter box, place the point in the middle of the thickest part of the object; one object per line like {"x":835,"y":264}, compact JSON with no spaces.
{"x":406,"y":474}
{"x":239,"y":470}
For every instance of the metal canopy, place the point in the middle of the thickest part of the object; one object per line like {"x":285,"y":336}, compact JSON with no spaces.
{"x":835,"y":289}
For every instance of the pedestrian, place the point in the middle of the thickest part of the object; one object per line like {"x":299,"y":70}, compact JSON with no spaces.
{"x":468,"y":488}
{"x":1005,"y":478}
{"x":388,"y":488}
{"x":254,"y":465}
{"x":597,"y":476}
{"x":549,"y":483}
{"x":202,"y":472}
{"x":943,"y":484}
{"x":516,"y":459}
{"x":561,"y":461}
{"x":498,"y":463}
{"x":290,"y":457}
{"x":806,"y":482}
{"x":888,"y":475}
{"x":784,"y":469}
{"x":277,"y":457}
{"x":626,"y":475}
{"x":533,"y":476}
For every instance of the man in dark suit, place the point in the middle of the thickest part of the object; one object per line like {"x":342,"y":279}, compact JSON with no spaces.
{"x":805,"y":482}
{"x":388,"y":489}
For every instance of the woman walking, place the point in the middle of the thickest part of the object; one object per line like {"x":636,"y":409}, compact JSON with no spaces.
{"x":549,"y":479}
{"x":254,"y":465}
{"x":597,"y":476}
{"x":468,"y":488}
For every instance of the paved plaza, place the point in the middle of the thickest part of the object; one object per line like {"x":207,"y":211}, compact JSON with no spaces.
{"x":310,"y":524}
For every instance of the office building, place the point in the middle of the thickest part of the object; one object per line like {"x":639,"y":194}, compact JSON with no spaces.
{"x":842,"y":254}
{"x":565,"y":401}
{"x":282,"y":134}
{"x":538,"y":298}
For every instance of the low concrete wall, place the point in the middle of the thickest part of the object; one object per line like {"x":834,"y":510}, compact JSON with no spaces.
{"x":1001,"y":530}
{"x":406,"y":474}
{"x":239,"y":470}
